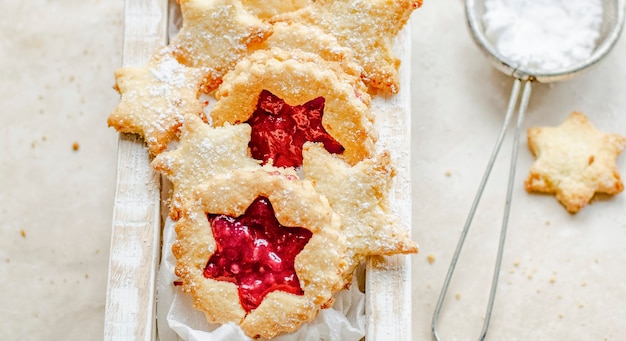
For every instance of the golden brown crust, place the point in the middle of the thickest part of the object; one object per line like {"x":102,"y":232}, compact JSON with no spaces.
{"x":214,"y":35}
{"x":312,"y":39}
{"x":359,"y":195}
{"x":155,"y":98}
{"x":266,"y":9}
{"x":574,"y":161}
{"x":203,"y":151}
{"x":366,"y":26}
{"x":319,"y":265}
{"x":298,"y":77}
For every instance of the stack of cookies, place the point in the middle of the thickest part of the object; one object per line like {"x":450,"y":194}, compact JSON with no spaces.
{"x":259,"y":115}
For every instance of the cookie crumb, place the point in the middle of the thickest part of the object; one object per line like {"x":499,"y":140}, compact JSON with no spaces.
{"x":516,"y":263}
{"x":23,"y":233}
{"x":458,"y":296}
{"x":580,"y":306}
{"x":86,"y":275}
{"x":430,"y":258}
{"x":75,"y":146}
{"x":552,"y":280}
{"x":583,"y":284}
{"x":448,"y":173}
{"x":547,"y":222}
{"x":560,"y":315}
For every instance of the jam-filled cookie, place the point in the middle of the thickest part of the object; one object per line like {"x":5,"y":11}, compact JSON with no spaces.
{"x":284,"y":94}
{"x":261,"y":249}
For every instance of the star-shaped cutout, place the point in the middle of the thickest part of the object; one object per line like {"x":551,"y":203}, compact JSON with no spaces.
{"x":366,"y":26}
{"x":575,"y":161}
{"x":358,"y":194}
{"x":155,"y":98}
{"x":215,"y":34}
{"x":256,"y":253}
{"x":279,"y":130}
{"x":203,"y":151}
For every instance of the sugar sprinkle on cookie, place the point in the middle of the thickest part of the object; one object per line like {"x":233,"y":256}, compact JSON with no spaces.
{"x":155,"y":98}
{"x":203,"y":152}
{"x":215,"y":35}
{"x":367,"y":27}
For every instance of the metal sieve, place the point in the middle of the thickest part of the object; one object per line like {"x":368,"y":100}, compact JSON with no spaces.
{"x":610,"y":30}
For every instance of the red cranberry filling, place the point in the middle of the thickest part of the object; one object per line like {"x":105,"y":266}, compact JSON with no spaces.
{"x":256,"y":252}
{"x":279,"y":130}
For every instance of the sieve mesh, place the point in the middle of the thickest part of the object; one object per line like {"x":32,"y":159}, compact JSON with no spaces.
{"x":610,"y":29}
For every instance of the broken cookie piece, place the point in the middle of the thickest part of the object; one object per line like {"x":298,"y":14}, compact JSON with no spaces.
{"x":574,"y":160}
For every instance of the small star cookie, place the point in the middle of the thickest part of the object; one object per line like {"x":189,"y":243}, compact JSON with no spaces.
{"x":242,"y":251}
{"x":155,"y":98}
{"x":367,"y":27}
{"x":215,"y":34}
{"x":359,"y":195}
{"x":203,"y":151}
{"x":297,"y":78}
{"x":575,"y":161}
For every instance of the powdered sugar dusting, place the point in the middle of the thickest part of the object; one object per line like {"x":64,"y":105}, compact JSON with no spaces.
{"x":543,"y":35}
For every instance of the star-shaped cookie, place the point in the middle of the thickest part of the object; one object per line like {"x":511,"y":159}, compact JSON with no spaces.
{"x":203,"y":151}
{"x":298,"y":77}
{"x":575,"y":161}
{"x":359,"y":195}
{"x":366,"y":26}
{"x":215,"y":34}
{"x":319,"y":265}
{"x":155,"y":98}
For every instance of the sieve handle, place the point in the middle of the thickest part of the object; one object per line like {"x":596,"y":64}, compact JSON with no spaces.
{"x":505,"y":218}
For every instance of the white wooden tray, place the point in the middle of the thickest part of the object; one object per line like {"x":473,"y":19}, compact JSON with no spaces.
{"x":136,"y":226}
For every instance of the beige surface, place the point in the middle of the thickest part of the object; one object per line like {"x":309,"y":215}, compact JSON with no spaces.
{"x":57,"y":59}
{"x":55,"y":90}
